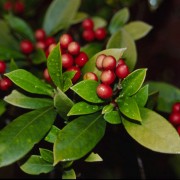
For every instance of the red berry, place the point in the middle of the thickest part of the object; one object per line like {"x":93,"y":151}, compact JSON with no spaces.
{"x":81,"y":59}
{"x":88,"y":24}
{"x":41,"y":45}
{"x":77,"y":73}
{"x":122,"y":71}
{"x":90,"y":76}
{"x":109,"y":63}
{"x":51,"y":47}
{"x":88,"y":35}
{"x":104,"y":91}
{"x":99,"y":61}
{"x":49,"y":41}
{"x":120,"y":62}
{"x":2,"y":67}
{"x":67,"y":60}
{"x":74,"y":48}
{"x":7,"y":6}
{"x":26,"y":46}
{"x":46,"y":75}
{"x":174,"y":118}
{"x":65,"y":40}
{"x":40,"y":34}
{"x":19,"y":7}
{"x":100,"y":33}
{"x":176,"y":107}
{"x":178,"y":129}
{"x":5,"y":84}
{"x":107,"y":77}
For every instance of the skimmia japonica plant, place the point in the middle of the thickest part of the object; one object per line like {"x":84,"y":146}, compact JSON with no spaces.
{"x":83,"y":89}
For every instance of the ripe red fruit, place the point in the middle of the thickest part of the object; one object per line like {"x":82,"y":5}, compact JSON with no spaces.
{"x":46,"y":75}
{"x":120,"y":62}
{"x":77,"y":73}
{"x":174,"y":118}
{"x":5,"y":84}
{"x":99,"y":61}
{"x":40,"y":34}
{"x":49,"y":41}
{"x":178,"y":129}
{"x":74,"y":48}
{"x":90,"y":76}
{"x":122,"y":71}
{"x":109,"y":63}
{"x":104,"y":91}
{"x":19,"y":7}
{"x":88,"y":35}
{"x":2,"y":67}
{"x":26,"y":46}
{"x":7,"y":6}
{"x":67,"y":60}
{"x":65,"y":40}
{"x":176,"y":107}
{"x":51,"y":47}
{"x":107,"y":77}
{"x":41,"y":45}
{"x":88,"y":24}
{"x":100,"y":33}
{"x":81,"y":59}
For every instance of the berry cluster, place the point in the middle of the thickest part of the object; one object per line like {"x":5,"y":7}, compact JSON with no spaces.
{"x":174,"y":117}
{"x":90,"y":34}
{"x":5,"y":83}
{"x":111,"y":70}
{"x":17,"y":7}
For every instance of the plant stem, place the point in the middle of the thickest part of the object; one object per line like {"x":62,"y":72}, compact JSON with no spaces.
{"x":141,"y":167}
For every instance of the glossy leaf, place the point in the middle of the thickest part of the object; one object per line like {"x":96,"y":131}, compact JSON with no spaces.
{"x":118,"y":20}
{"x":54,"y":64}
{"x":36,"y":165}
{"x":62,"y":103}
{"x":137,"y":29}
{"x":93,"y":157}
{"x":52,"y":134}
{"x":121,"y":39}
{"x":47,"y":155}
{"x":79,"y":17}
{"x":23,"y":133}
{"x":20,"y":26}
{"x":133,"y":82}
{"x":38,"y":57}
{"x":69,"y":174}
{"x":108,"y":108}
{"x":29,"y":82}
{"x":20,"y":100}
{"x":168,"y":95}
{"x":89,"y":86}
{"x":67,"y":82}
{"x":62,"y":12}
{"x":113,"y":117}
{"x":129,"y":107}
{"x":154,"y":132}
{"x":82,"y":108}
{"x":99,"y":22}
{"x":141,"y":96}
{"x":90,"y":66}
{"x":79,"y":137}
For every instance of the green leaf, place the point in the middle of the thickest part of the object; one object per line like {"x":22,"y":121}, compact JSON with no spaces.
{"x":93,"y":157}
{"x":23,"y":133}
{"x":168,"y":95}
{"x":47,"y":155}
{"x":99,"y":22}
{"x":90,"y":66}
{"x":67,"y":82}
{"x":137,"y":29}
{"x":69,"y":174}
{"x":82,"y":108}
{"x":108,"y":108}
{"x":36,"y":165}
{"x":79,"y":17}
{"x":152,"y":100}
{"x":20,"y":26}
{"x":29,"y":82}
{"x":7,"y":53}
{"x":62,"y":103}
{"x":13,"y":66}
{"x":89,"y":86}
{"x":20,"y":100}
{"x":2,"y":107}
{"x":118,"y":20}
{"x":62,"y":12}
{"x":54,"y":64}
{"x":141,"y":96}
{"x":52,"y":135}
{"x":38,"y":56}
{"x":113,"y":117}
{"x":133,"y":82}
{"x":154,"y":132}
{"x":79,"y":137}
{"x":129,"y":107}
